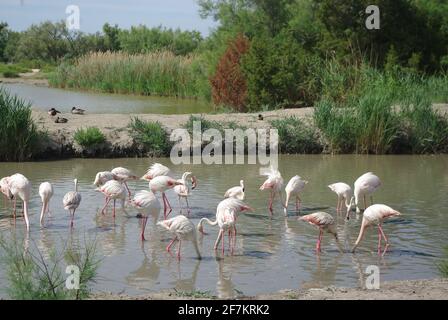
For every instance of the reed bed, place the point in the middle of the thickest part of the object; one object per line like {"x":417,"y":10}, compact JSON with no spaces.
{"x":158,"y":73}
{"x":19,"y":137}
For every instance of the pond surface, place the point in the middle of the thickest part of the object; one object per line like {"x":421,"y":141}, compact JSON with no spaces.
{"x":44,"y":98}
{"x":272,"y":253}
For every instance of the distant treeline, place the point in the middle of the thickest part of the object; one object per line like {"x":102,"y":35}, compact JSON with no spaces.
{"x":264,"y":54}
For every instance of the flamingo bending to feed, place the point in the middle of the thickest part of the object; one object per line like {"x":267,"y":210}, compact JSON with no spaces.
{"x":236,"y":192}
{"x":4,"y":189}
{"x":45,"y":193}
{"x":123,"y":175}
{"x":71,"y":201}
{"x":345,"y":194}
{"x":156,"y":170}
{"x":102,"y":177}
{"x":376,"y":214}
{"x":20,"y":186}
{"x":274,"y":182}
{"x":162,"y":184}
{"x":147,"y":205}
{"x":293,"y":188}
{"x":113,"y":190}
{"x":226,"y":215}
{"x":366,"y":185}
{"x":325,"y":222}
{"x":183,"y":191}
{"x":183,"y":229}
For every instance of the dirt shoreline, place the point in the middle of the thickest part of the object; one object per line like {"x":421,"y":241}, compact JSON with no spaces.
{"x":435,"y":289}
{"x":115,"y":128}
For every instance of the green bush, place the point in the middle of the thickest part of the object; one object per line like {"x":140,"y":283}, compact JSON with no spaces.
{"x":150,"y":136}
{"x":19,"y":135}
{"x":89,"y":137}
{"x":34,"y":275}
{"x":279,"y":73}
{"x":297,"y":137}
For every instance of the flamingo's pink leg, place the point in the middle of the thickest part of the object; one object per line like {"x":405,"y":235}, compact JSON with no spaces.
{"x":379,"y":240}
{"x":144,"y":221}
{"x":271,"y":200}
{"x":105,"y":205}
{"x":220,"y":234}
{"x":168,"y":204}
{"x":168,"y":248}
{"x":14,"y":209}
{"x":318,"y":247}
{"x":222,"y":243}
{"x":188,"y":206}
{"x":178,"y":249}
{"x":114,"y":207}
{"x":127,"y":188}
{"x":383,"y":234}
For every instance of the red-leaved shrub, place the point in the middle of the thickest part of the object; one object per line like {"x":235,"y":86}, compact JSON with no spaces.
{"x":229,"y":86}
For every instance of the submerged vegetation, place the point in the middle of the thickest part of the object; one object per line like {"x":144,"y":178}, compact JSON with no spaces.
{"x":33,"y":274}
{"x":19,"y":137}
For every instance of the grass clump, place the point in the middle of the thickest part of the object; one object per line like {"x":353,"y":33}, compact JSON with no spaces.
{"x":36,"y":275}
{"x":12,"y":70}
{"x":151,"y":137}
{"x":196,"y":294}
{"x":443,"y":266}
{"x":89,"y":137}
{"x":297,"y":137}
{"x":158,"y":73}
{"x":19,"y":135}
{"x":385,"y":114}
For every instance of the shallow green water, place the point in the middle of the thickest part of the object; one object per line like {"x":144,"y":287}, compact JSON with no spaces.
{"x":271,"y":254}
{"x":44,"y":98}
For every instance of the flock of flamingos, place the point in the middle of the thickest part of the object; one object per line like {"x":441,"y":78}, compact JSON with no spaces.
{"x":113,"y":185}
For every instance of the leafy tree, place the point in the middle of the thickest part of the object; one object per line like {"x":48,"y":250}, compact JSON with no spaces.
{"x":111,"y":34}
{"x":3,"y":39}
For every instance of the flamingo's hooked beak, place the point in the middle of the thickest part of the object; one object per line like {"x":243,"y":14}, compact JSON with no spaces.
{"x":194,"y":182}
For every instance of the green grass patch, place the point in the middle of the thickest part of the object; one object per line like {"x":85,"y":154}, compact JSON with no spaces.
{"x":196,"y":294}
{"x":89,"y":137}
{"x":19,"y":135}
{"x":151,"y":137}
{"x":297,"y":137}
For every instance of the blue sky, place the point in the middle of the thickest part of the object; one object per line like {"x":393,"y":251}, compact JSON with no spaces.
{"x":20,"y":14}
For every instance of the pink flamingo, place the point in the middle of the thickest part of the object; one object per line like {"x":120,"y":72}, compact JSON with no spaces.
{"x":226,"y":215}
{"x":146,"y":204}
{"x":376,"y":214}
{"x":71,"y":201}
{"x":325,"y":222}
{"x":237,"y":192}
{"x":162,"y":184}
{"x":183,"y":229}
{"x":123,"y":175}
{"x":45,"y":193}
{"x":183,"y":191}
{"x":4,"y":189}
{"x":102,"y":177}
{"x":344,"y":193}
{"x":293,"y":188}
{"x":156,"y":170}
{"x":274,"y":182}
{"x":20,"y":186}
{"x":366,"y":184}
{"x":113,"y":190}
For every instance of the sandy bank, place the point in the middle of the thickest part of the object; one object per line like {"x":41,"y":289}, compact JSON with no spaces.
{"x":114,"y":126}
{"x":436,"y":289}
